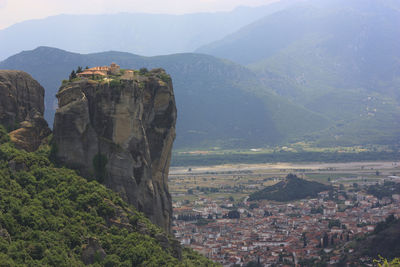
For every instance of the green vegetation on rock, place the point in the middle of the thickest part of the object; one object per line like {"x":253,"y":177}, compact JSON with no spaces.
{"x":50,"y":216}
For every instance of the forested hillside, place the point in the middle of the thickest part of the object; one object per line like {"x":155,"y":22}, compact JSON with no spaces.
{"x":292,"y":188}
{"x":50,"y":216}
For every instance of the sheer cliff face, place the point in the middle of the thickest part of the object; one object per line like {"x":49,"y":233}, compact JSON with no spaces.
{"x":21,"y":97}
{"x":21,"y":108}
{"x":121,"y":133}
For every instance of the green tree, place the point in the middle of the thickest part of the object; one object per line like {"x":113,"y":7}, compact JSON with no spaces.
{"x":3,"y":135}
{"x":325,"y":240}
{"x":233,"y":214}
{"x":143,"y":71}
{"x":72,"y":75}
{"x":253,"y":206}
{"x":333,"y":223}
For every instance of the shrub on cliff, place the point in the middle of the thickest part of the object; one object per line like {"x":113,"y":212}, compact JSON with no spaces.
{"x":115,"y":84}
{"x":143,"y":71}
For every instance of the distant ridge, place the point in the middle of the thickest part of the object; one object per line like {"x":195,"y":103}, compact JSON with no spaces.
{"x":219,"y":103}
{"x":145,"y":34}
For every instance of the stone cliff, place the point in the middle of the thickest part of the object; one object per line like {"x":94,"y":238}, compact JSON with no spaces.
{"x":21,"y":109}
{"x":121,"y":132}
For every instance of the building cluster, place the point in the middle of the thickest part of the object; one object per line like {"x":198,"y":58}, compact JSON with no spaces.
{"x":103,"y":71}
{"x":277,"y":233}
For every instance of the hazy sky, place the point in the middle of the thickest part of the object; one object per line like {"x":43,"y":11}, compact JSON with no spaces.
{"x":13,"y":11}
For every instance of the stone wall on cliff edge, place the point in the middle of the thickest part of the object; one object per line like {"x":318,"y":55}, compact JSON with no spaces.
{"x":121,"y":133}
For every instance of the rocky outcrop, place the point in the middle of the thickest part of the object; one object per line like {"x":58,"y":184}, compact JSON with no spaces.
{"x":21,"y":108}
{"x":32,"y":133}
{"x":20,"y":97}
{"x":121,"y":133}
{"x":92,"y":252}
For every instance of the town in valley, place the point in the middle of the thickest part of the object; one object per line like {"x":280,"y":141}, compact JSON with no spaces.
{"x":213,"y":214}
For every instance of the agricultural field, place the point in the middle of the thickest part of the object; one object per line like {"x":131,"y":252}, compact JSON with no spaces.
{"x":295,"y":153}
{"x":237,"y":181}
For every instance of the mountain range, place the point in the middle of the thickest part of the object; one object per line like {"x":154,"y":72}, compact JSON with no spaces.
{"x":218,"y":102}
{"x":337,"y":58}
{"x":320,"y":71}
{"x":139,"y":33}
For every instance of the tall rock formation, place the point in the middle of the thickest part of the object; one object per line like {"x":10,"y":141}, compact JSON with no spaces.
{"x":21,"y":108}
{"x":121,"y":132}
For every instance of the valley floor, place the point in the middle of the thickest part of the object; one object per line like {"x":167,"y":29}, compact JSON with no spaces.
{"x":275,"y":232}
{"x":356,"y":167}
